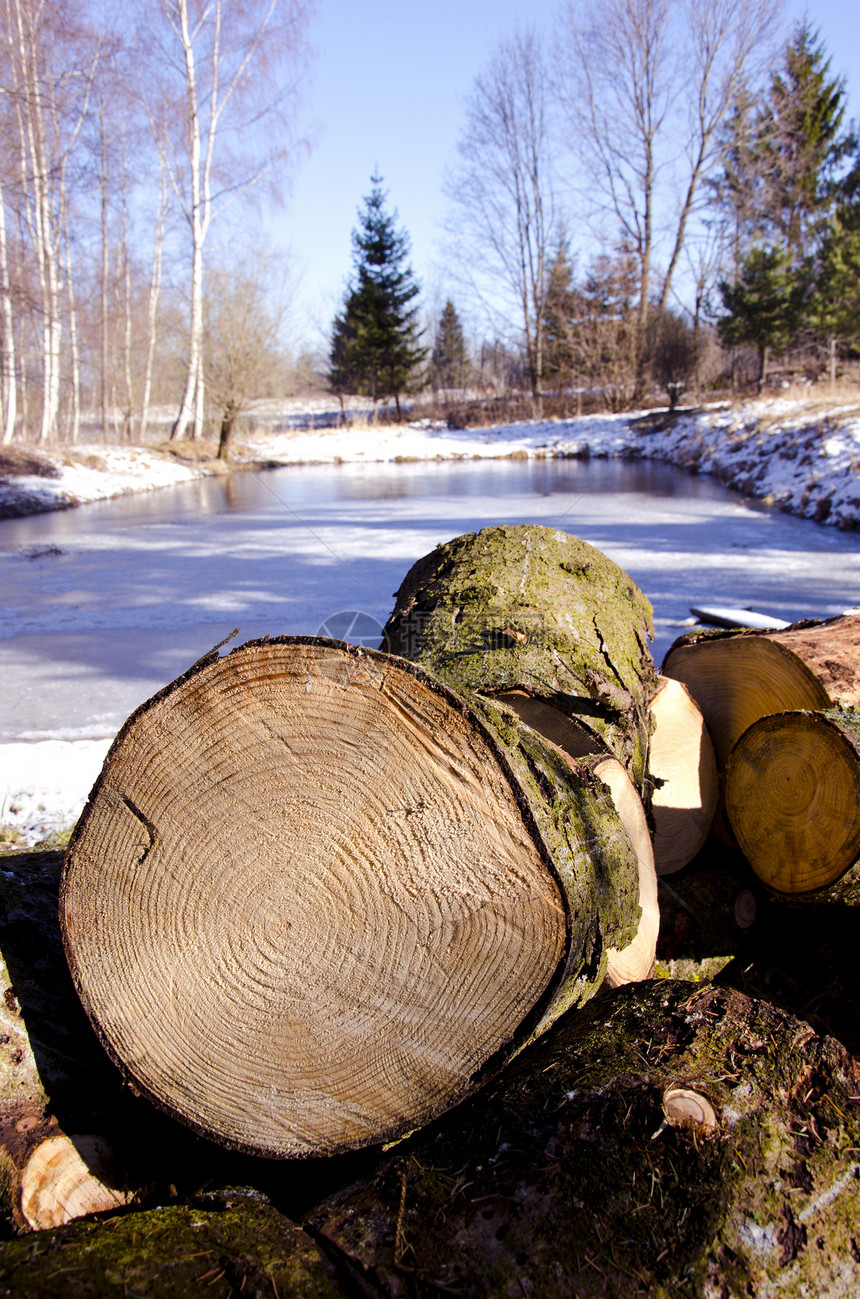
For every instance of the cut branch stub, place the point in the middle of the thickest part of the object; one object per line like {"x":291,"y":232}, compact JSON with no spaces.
{"x":313,"y":895}
{"x":793,"y":801}
{"x":532,"y":609}
{"x":738,"y":677}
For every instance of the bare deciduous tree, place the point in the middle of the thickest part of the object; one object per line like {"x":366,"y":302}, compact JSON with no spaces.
{"x":647,"y":86}
{"x":230,"y":68}
{"x":502,"y":190}
{"x":244,"y":316}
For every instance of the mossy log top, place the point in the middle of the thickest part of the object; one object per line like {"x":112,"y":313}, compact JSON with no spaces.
{"x":245,"y":1247}
{"x":576,"y":1173}
{"x":315,"y":898}
{"x":793,"y":800}
{"x":532,"y":608}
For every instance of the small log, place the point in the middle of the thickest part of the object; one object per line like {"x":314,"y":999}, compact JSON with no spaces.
{"x":54,"y":1079}
{"x":683,"y":773}
{"x":738,"y":677}
{"x":793,"y":801}
{"x":577,"y":745}
{"x":637,"y":960}
{"x":315,"y":898}
{"x":666,"y":1141}
{"x":534,"y":610}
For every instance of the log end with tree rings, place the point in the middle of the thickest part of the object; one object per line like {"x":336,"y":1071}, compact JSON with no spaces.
{"x":307,"y":900}
{"x":683,"y":768}
{"x":737,"y":678}
{"x":67,"y":1178}
{"x":793,"y":801}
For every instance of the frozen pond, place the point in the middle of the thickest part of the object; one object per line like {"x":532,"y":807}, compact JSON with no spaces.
{"x":105,"y":604}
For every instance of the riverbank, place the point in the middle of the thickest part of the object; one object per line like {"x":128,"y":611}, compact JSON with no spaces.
{"x":802,"y":456}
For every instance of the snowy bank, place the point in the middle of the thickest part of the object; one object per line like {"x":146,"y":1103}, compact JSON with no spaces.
{"x":803,"y":456}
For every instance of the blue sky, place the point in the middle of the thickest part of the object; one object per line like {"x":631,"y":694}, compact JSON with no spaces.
{"x":387,"y":88}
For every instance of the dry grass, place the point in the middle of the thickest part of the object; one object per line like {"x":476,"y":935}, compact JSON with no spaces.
{"x":193,"y":451}
{"x":19,"y":462}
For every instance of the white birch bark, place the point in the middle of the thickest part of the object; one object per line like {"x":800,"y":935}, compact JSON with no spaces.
{"x":154,"y":294}
{"x":8,"y":391}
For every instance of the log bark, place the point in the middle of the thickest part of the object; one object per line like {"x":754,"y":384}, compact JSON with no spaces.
{"x":315,"y":898}
{"x":533,"y":610}
{"x":682,"y":770}
{"x":738,"y":677}
{"x":667,"y":1141}
{"x":793,"y":801}
{"x":581,"y":748}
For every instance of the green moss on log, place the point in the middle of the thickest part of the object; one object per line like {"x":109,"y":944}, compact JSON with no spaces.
{"x":177,"y":1252}
{"x":532,"y":608}
{"x":566,"y":1179}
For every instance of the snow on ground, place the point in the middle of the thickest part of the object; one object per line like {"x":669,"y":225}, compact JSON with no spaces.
{"x":803,"y":456}
{"x":44,"y":786}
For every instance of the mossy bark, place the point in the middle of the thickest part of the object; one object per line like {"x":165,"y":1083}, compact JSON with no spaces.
{"x":565,"y":1179}
{"x":534,"y":609}
{"x":181,"y":1252}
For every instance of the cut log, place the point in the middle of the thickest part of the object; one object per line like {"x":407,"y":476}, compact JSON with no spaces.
{"x":666,"y":1141}
{"x":534,"y":610}
{"x":54,"y":1077}
{"x":738,"y":677}
{"x":793,"y":801}
{"x":683,"y":772}
{"x":315,"y":898}
{"x":577,"y":744}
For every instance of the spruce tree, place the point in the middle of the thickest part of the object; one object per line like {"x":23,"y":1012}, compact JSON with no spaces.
{"x":375,"y":347}
{"x":801,"y":144}
{"x":835,"y":303}
{"x":762,"y":307}
{"x":450,"y":360}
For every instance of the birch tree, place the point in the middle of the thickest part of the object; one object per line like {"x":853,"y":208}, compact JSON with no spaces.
{"x":502,"y":189}
{"x":50,"y":68}
{"x":231,"y":68}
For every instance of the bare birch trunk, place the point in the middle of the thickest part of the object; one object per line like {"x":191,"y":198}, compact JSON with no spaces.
{"x":8,"y":387}
{"x":154,"y":294}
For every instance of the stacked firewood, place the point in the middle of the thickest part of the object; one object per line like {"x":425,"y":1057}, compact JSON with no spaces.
{"x":780,"y":707}
{"x":320,"y":899}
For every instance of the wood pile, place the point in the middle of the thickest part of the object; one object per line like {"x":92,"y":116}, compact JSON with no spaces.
{"x":399,"y":909}
{"x":781,"y":708}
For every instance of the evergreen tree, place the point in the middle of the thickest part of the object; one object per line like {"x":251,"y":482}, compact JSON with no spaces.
{"x":450,"y":359}
{"x":762,"y":307}
{"x":560,"y":353}
{"x":375,"y":339}
{"x":835,"y":304}
{"x":801,"y":145}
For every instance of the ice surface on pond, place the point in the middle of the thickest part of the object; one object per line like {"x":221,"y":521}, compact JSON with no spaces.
{"x":104,"y":605}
